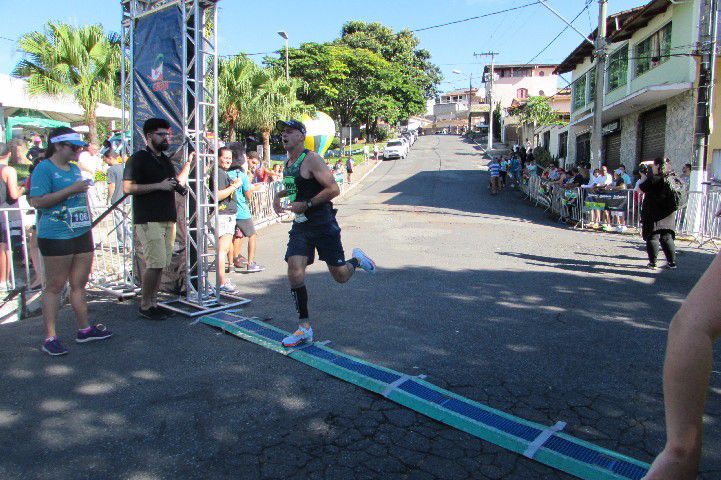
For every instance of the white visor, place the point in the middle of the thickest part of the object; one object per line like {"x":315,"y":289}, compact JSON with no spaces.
{"x":73,"y":138}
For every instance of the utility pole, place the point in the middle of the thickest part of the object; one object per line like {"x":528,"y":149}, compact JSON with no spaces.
{"x":597,"y":134}
{"x":704,"y":97}
{"x":489,"y":95}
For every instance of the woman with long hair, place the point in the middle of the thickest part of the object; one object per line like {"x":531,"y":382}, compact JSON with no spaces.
{"x":65,"y":239}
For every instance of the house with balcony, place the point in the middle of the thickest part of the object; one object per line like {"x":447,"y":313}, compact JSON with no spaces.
{"x":519,"y":82}
{"x":648,"y":95}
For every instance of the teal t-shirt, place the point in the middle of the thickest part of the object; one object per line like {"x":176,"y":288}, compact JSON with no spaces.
{"x":67,"y":219}
{"x":243,"y":212}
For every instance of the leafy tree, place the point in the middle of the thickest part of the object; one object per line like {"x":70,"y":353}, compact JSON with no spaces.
{"x":369,"y":73}
{"x":82,"y":61}
{"x":538,"y":112}
{"x":235,"y":92}
{"x":401,"y":49}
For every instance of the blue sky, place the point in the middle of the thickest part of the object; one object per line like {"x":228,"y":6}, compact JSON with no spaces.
{"x":251,"y":26}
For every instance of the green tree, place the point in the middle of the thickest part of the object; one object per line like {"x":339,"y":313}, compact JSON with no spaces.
{"x":235,"y":93}
{"x":539,"y":112}
{"x":369,"y":73}
{"x":274,"y":98}
{"x":82,"y":61}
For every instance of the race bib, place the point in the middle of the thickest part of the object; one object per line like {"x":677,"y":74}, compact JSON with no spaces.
{"x":79,"y":217}
{"x":291,"y":188}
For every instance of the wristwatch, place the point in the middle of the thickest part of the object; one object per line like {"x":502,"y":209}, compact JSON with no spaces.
{"x":308,"y":204}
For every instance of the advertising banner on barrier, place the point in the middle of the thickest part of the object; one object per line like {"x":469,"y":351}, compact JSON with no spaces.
{"x":616,"y":201}
{"x":158,"y":76}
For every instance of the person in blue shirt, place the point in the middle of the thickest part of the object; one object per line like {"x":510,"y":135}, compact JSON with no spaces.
{"x":65,"y":239}
{"x":244,"y":226}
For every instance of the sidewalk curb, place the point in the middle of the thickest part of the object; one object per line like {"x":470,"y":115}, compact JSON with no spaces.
{"x":361,"y":180}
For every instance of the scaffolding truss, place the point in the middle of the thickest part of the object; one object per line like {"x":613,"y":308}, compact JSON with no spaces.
{"x":200,"y":143}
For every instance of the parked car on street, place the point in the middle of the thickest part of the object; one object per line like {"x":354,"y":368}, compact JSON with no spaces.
{"x":394,"y":149}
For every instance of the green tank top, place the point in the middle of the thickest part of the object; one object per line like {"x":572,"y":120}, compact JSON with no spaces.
{"x":290,"y":173}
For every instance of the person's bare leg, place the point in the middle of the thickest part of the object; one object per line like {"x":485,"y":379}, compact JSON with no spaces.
{"x":251,"y":248}
{"x":35,"y":259}
{"x":79,"y":273}
{"x":342,"y":273}
{"x":686,"y":373}
{"x":151,"y":278}
{"x":4,"y":269}
{"x":58,"y":269}
{"x":224,"y":247}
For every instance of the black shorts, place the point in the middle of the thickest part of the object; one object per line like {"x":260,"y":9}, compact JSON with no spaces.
{"x":72,"y":246}
{"x":304,"y":240}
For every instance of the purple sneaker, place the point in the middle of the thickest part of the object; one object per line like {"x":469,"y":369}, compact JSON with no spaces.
{"x":52,"y":346}
{"x":96,"y":332}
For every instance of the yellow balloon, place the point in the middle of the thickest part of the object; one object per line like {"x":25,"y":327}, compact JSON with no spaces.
{"x":320,"y":130}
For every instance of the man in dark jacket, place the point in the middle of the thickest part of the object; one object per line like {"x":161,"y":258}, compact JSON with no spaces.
{"x":658,"y":217}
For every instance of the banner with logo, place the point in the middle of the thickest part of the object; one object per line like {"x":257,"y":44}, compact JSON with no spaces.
{"x":158,"y":75}
{"x":614,"y":201}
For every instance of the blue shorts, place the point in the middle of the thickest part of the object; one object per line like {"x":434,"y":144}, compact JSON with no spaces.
{"x":304,"y":240}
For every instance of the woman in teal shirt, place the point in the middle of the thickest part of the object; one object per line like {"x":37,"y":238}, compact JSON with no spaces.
{"x":65,"y":239}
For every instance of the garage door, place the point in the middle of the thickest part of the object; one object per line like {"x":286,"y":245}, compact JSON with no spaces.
{"x":612,"y":150}
{"x":653,"y":134}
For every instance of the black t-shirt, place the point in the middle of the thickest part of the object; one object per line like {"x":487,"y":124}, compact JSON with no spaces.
{"x":226,"y":206}
{"x":144,"y":168}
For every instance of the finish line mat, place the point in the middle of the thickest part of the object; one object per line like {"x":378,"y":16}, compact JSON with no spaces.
{"x":547,"y":445}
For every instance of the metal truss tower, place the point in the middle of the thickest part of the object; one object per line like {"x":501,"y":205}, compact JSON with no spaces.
{"x":199,"y":19}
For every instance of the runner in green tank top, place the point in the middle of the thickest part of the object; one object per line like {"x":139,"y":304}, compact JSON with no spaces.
{"x":310,"y":187}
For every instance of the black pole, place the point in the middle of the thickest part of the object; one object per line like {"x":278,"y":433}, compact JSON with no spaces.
{"x":107,"y":212}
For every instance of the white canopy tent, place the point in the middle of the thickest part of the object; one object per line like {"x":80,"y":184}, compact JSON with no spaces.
{"x":14,"y":97}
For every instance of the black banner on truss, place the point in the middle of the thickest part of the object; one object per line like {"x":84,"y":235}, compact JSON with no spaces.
{"x":158,"y":76}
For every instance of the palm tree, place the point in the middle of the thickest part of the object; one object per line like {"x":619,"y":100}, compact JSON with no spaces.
{"x":235,"y":92}
{"x":274,"y":98}
{"x":82,"y":61}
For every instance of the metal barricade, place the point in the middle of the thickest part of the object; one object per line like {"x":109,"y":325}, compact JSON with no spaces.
{"x":13,"y":237}
{"x":113,"y":261}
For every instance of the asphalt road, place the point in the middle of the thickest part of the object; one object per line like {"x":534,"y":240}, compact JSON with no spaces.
{"x":486,"y":295}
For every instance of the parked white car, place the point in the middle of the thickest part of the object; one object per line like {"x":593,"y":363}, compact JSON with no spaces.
{"x":394,"y":149}
{"x":406,"y":144}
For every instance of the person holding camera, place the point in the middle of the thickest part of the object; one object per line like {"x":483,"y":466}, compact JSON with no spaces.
{"x":64,"y":234}
{"x":150,"y":177}
{"x":658,"y":210}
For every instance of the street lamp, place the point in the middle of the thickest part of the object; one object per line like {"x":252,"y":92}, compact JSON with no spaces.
{"x":470,"y":86}
{"x":284,"y":36}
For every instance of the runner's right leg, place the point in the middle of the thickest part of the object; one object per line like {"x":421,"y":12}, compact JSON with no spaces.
{"x":296,"y":278}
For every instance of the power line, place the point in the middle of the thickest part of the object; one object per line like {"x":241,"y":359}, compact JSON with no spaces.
{"x":8,"y":39}
{"x":476,"y":17}
{"x":249,"y":54}
{"x":588,"y":3}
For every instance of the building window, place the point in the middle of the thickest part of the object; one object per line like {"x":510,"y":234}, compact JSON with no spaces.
{"x":522,"y":93}
{"x":521,"y":72}
{"x":591,"y":80}
{"x":579,"y":93}
{"x":541,"y":93}
{"x":653,"y":51}
{"x":541,"y":73}
{"x":618,"y":68}
{"x":562,"y":145}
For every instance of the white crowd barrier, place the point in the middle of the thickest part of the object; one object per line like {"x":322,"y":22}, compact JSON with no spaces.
{"x":621,"y":209}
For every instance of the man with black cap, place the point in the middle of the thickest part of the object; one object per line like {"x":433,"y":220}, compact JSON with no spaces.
{"x":310,"y":187}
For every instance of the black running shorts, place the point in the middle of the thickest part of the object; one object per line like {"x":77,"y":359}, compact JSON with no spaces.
{"x":72,"y":246}
{"x":304,"y":240}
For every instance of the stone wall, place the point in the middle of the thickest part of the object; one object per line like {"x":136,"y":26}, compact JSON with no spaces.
{"x":680,"y":129}
{"x":629,"y":140}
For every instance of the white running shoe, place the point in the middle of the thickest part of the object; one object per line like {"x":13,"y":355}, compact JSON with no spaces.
{"x":302,"y":335}
{"x":364,"y":261}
